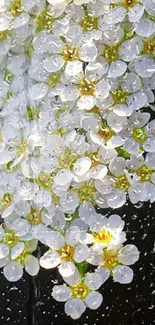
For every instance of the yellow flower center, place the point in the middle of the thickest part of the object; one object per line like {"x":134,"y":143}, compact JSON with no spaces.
{"x":4,"y":35}
{"x":139,"y":135}
{"x":128,"y":34}
{"x":105,"y":132}
{"x":6,"y":201}
{"x":112,"y":5}
{"x":67,"y":253}
{"x":119,"y":96}
{"x":149,"y":47}
{"x":8,"y":76}
{"x":89,"y":23}
{"x":34,"y":217}
{"x":122,"y":182}
{"x":44,"y":21}
{"x":70,"y":54}
{"x":111,"y":54}
{"x":86,"y":87}
{"x":45,"y":181}
{"x":129,"y":3}
{"x":7,"y":97}
{"x":86,"y":193}
{"x":144,"y":173}
{"x":103,"y":237}
{"x":95,"y":110}
{"x":60,"y":132}
{"x":80,"y":291}
{"x":16,"y":8}
{"x":94,"y":159}
{"x":53,"y":80}
{"x":110,"y":261}
{"x":55,"y":199}
{"x":67,"y":159}
{"x":22,"y":148}
{"x":11,"y":239}
{"x":21,"y":258}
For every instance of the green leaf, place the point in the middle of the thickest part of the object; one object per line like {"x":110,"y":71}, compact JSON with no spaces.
{"x":82,"y":267}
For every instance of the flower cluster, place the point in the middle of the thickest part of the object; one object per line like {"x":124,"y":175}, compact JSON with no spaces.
{"x":76,"y":131}
{"x":98,"y":242}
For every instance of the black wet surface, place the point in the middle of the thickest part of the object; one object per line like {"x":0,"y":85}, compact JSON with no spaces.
{"x":29,"y":301}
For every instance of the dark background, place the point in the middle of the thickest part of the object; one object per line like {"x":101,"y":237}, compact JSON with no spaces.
{"x":29,"y":301}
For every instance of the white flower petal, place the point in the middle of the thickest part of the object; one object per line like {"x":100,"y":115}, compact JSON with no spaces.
{"x":38,"y":91}
{"x":20,"y":226}
{"x":74,"y":308}
{"x":144,"y":66}
{"x":63,"y":177}
{"x":61,"y":293}
{"x":72,"y":236}
{"x":94,"y":71}
{"x":116,"y":199}
{"x":73,"y":279}
{"x":17,"y":250}
{"x":131,"y":146}
{"x":73,"y":68}
{"x":67,"y":269}
{"x":81,"y":166}
{"x":87,"y":52}
{"x":13,"y":271}
{"x":137,"y":100}
{"x":99,"y":172}
{"x":117,"y":69}
{"x":131,"y":82}
{"x":137,"y":192}
{"x":149,"y":145}
{"x":115,"y":224}
{"x":94,"y":300}
{"x":97,"y":222}
{"x":104,"y":273}
{"x":96,"y":255}
{"x":5,"y":157}
{"x":20,"y":20}
{"x":145,"y":27}
{"x":123,"y":110}
{"x":136,"y":13}
{"x":117,"y":166}
{"x":81,"y":253}
{"x":93,"y":281}
{"x":4,"y":250}
{"x":4,"y":261}
{"x":69,"y":202}
{"x":106,"y":154}
{"x":128,"y":255}
{"x":115,"y":15}
{"x":31,"y":245}
{"x":31,"y":265}
{"x":50,"y":259}
{"x":102,"y":89}
{"x":116,"y":122}
{"x":122,"y":274}
{"x":86,"y":102}
{"x":69,"y":93}
{"x":55,"y":240}
{"x":53,"y":63}
{"x":7,"y":211}
{"x":43,"y":199}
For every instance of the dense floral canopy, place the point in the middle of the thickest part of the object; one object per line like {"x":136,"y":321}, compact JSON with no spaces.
{"x":76,"y":97}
